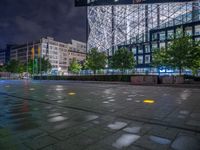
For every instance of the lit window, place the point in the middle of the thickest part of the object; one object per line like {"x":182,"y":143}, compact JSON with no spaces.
{"x":170,"y":34}
{"x":188,"y":31}
{"x":140,"y":59}
{"x":154,"y":46}
{"x":134,"y":50}
{"x":197,"y":30}
{"x":147,"y":59}
{"x":178,"y":32}
{"x":197,"y":39}
{"x":147,"y":50}
{"x":154,"y":36}
{"x":162,"y":36}
{"x":162,"y":45}
{"x":140,"y":49}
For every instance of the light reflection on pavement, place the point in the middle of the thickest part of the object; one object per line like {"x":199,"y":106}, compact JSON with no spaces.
{"x":56,"y":115}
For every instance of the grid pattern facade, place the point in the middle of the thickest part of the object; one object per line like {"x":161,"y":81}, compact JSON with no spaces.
{"x":111,"y":26}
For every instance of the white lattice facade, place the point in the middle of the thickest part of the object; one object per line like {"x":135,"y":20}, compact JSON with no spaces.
{"x":110,"y":26}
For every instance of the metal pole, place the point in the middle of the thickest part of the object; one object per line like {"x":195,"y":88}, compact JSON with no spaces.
{"x":87,"y":30}
{"x":33,"y":57}
{"x":40,"y":59}
{"x":27,"y":58}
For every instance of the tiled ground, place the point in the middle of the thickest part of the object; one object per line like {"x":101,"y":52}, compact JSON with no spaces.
{"x":54,"y":115}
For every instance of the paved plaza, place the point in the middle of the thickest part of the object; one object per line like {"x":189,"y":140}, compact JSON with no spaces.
{"x":66,"y":115}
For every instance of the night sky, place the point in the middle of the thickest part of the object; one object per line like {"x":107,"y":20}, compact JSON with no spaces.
{"x":28,"y":20}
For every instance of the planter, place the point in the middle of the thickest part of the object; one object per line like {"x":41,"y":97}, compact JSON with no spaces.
{"x":178,"y":79}
{"x":167,"y":79}
{"x":144,"y":80}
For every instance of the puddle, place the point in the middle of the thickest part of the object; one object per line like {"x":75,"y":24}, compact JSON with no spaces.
{"x":54,"y":114}
{"x":117,"y":125}
{"x":184,"y":112}
{"x":160,"y":140}
{"x":35,"y":109}
{"x":132,"y":129}
{"x":137,"y":101}
{"x":96,"y":122}
{"x":110,"y":97}
{"x":181,"y":116}
{"x":125,"y":92}
{"x":48,"y":107}
{"x":61,"y":126}
{"x":105,"y":102}
{"x":112,"y":110}
{"x":71,"y":93}
{"x":186,"y":143}
{"x":111,"y":100}
{"x":131,"y":95}
{"x":125,"y":140}
{"x":57,"y":119}
{"x":129,"y":99}
{"x":107,"y":91}
{"x":193,"y":123}
{"x":195,"y":115}
{"x":165,"y":94}
{"x":59,"y":89}
{"x":91,"y":117}
{"x":185,"y":94}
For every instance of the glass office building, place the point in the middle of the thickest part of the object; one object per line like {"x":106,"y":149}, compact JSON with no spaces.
{"x":140,"y":28}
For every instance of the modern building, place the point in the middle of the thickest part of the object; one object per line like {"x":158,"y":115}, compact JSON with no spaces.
{"x":141,"y":28}
{"x":58,"y":53}
{"x":77,"y":50}
{"x":2,"y":57}
{"x":5,"y":54}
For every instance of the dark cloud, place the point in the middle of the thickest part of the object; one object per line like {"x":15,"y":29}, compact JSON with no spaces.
{"x":27,"y":20}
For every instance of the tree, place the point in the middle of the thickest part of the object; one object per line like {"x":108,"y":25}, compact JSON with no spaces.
{"x":45,"y":65}
{"x":122,"y":59}
{"x":160,"y":58}
{"x":181,"y":53}
{"x":15,"y":66}
{"x":194,"y":59}
{"x":74,"y":67}
{"x":2,"y":68}
{"x":95,"y":60}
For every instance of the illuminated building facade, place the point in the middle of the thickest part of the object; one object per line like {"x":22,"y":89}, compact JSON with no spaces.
{"x":137,"y":26}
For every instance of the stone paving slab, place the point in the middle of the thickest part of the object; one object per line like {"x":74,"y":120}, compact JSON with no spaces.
{"x":54,"y":115}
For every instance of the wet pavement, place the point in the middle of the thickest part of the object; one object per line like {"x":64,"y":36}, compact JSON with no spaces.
{"x":56,"y":115}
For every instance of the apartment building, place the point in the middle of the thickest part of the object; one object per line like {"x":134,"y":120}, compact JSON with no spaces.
{"x":77,"y":50}
{"x":2,"y":57}
{"x":59,"y":53}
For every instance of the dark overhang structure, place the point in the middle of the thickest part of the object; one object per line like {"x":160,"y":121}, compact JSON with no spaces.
{"x":80,"y":3}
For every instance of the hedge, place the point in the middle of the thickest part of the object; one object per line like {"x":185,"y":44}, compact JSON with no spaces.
{"x":119,"y":78}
